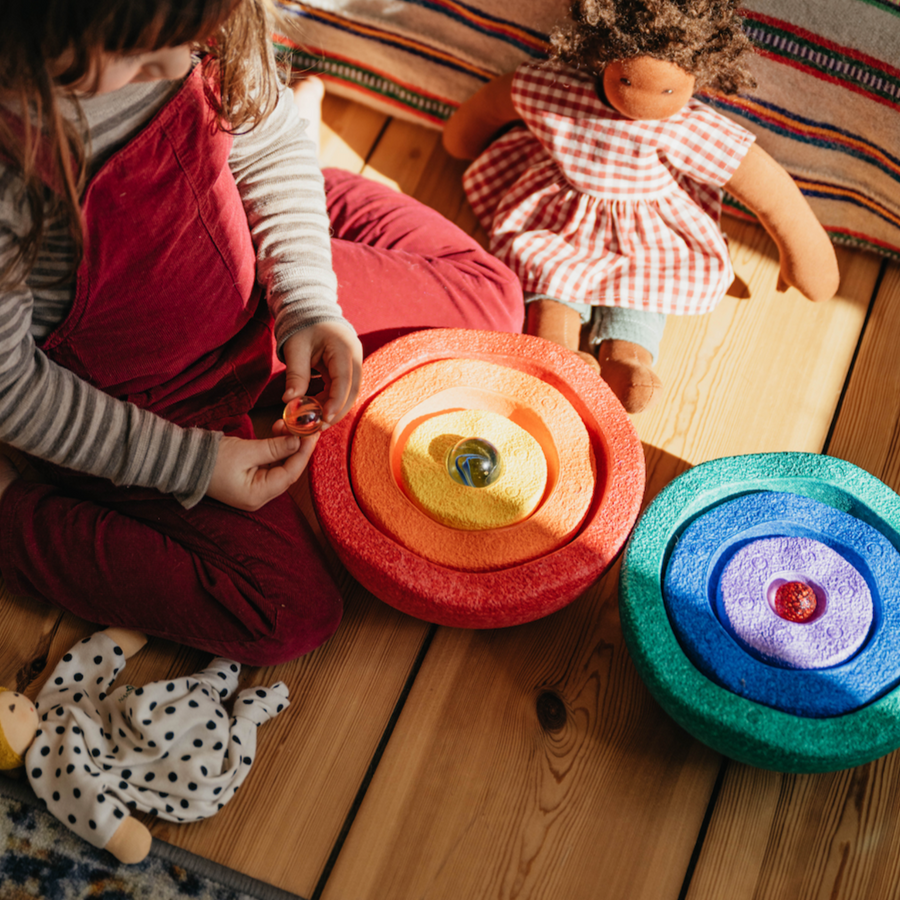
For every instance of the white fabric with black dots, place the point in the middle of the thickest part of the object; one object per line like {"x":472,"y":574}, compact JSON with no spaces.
{"x":168,"y":748}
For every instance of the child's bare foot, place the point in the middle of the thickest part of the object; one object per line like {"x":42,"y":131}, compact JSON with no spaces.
{"x":8,"y":473}
{"x":308,"y":93}
{"x":627,"y":369}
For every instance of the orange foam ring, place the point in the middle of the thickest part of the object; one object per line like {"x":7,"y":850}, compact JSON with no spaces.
{"x":388,"y":420}
{"x":485,"y":599}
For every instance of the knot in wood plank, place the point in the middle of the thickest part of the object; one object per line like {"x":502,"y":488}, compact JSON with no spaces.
{"x":551,"y":711}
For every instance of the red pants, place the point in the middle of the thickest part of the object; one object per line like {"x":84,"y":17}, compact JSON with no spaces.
{"x":249,"y":586}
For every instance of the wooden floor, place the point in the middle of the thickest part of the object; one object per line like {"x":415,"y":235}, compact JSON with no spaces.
{"x":416,"y":762}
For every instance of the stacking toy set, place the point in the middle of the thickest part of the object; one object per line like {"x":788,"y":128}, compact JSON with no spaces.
{"x":481,"y":479}
{"x":486,"y":480}
{"x":760,"y":600}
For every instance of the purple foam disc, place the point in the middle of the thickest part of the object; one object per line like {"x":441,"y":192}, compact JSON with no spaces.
{"x":831,"y":635}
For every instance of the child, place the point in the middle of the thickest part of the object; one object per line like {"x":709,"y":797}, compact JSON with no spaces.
{"x":165,"y":266}
{"x":607,"y":202}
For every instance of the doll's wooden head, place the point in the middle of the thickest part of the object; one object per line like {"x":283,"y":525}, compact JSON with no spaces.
{"x":702,"y":38}
{"x":18,"y":725}
{"x":643,"y":87}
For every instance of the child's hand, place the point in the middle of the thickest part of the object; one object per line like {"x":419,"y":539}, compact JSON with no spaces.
{"x":336,"y":353}
{"x":248,"y":474}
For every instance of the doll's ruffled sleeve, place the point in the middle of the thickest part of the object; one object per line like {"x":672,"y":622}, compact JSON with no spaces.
{"x":547,"y":94}
{"x":706,"y":146}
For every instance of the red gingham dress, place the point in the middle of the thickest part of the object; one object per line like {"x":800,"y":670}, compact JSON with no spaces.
{"x":588,"y":206}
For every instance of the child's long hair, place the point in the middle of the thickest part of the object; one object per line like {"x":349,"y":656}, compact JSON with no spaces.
{"x":36,"y":33}
{"x":703,"y":37}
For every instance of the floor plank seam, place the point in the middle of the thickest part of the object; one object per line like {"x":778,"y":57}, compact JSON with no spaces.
{"x":371,"y":152}
{"x":373,"y":764}
{"x":882,"y":269}
{"x":704,"y":827}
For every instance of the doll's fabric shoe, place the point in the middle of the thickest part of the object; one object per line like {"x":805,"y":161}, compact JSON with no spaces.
{"x":556,"y":322}
{"x":589,"y":358}
{"x":627,"y":369}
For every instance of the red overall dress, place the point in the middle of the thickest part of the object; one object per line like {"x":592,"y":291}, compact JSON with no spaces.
{"x":168,"y":315}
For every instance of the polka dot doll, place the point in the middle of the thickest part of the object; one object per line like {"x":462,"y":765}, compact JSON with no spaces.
{"x":94,"y":752}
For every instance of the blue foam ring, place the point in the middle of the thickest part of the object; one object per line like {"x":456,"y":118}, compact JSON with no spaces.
{"x":692,"y":576}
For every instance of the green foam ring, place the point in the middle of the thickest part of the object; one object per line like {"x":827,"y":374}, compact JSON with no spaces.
{"x":739,"y":728}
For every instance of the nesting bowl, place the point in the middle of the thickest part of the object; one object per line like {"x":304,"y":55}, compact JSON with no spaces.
{"x":499,"y":576}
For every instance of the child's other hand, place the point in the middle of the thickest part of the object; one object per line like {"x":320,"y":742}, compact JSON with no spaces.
{"x":335,"y":352}
{"x":248,"y":474}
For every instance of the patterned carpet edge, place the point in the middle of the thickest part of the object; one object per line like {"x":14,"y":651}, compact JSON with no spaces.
{"x":41,"y":858}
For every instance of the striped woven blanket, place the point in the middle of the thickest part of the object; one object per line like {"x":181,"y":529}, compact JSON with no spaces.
{"x":827,"y":104}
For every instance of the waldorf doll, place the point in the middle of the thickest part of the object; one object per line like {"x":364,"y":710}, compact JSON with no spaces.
{"x":606,"y":198}
{"x":93,"y":752}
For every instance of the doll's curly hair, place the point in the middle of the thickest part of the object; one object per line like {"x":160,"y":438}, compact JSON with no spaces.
{"x":703,"y":37}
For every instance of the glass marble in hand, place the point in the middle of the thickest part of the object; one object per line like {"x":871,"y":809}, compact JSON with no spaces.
{"x":474,"y":462}
{"x":303,"y":415}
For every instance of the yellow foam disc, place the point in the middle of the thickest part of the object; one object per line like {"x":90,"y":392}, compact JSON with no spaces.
{"x":511,"y":498}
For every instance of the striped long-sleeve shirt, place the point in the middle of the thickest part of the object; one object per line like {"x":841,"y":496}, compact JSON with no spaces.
{"x":46,"y":410}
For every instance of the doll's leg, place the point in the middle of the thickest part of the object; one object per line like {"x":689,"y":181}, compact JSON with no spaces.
{"x":402,"y":267}
{"x":221,"y":675}
{"x":627,"y":346}
{"x":251,"y":587}
{"x":259,"y":704}
{"x":558,"y":322}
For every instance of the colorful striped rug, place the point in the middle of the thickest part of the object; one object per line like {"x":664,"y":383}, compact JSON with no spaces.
{"x":826,"y":106}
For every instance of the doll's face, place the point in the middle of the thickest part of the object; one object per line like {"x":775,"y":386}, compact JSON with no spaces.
{"x":647,"y":88}
{"x":18,"y":719}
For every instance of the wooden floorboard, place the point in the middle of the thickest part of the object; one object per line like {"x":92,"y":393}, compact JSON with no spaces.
{"x":476,"y":796}
{"x":519,"y":755}
{"x":836,"y":835}
{"x":531,"y":762}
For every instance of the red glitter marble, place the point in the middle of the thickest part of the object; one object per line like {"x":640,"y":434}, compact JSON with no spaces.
{"x":795,"y":601}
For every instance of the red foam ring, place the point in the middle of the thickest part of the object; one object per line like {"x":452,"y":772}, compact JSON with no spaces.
{"x":510,"y":596}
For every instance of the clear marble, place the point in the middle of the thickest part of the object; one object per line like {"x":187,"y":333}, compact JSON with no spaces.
{"x":303,"y":415}
{"x":474,"y":462}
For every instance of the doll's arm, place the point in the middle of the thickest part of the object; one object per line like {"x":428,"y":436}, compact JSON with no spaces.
{"x":259,"y":704}
{"x":92,"y":663}
{"x":808,"y":261}
{"x":470,"y":129}
{"x":131,"y":841}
